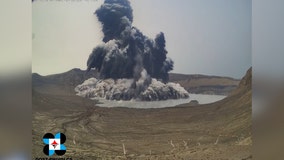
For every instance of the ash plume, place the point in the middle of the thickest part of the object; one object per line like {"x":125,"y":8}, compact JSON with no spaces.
{"x":131,"y":65}
{"x":126,"y":51}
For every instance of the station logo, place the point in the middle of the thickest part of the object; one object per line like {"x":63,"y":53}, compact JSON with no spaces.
{"x":54,"y":144}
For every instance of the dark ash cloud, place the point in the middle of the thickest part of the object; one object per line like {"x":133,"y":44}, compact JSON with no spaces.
{"x":131,"y":65}
{"x":126,"y":51}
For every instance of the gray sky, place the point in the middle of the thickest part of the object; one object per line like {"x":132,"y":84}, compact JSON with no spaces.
{"x":268,"y":38}
{"x":202,"y":36}
{"x":15,"y":36}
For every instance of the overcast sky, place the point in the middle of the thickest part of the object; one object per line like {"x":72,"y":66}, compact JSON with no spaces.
{"x":202,"y":36}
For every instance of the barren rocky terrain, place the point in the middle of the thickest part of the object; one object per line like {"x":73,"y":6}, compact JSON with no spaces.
{"x":195,"y":83}
{"x":204,"y":84}
{"x":221,"y":130}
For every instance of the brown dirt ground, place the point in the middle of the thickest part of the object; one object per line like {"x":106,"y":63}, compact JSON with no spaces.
{"x":217,"y":131}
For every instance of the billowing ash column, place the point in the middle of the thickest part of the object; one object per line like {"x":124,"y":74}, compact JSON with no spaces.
{"x":131,"y":65}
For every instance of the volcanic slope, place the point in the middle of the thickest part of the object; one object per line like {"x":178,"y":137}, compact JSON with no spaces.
{"x":220,"y":130}
{"x":194,"y":83}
